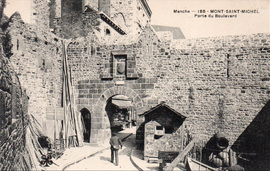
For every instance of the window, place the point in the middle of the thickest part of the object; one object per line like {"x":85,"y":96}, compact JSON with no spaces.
{"x":159,"y":132}
{"x":159,"y":127}
{"x":18,"y":44}
{"x":108,"y":32}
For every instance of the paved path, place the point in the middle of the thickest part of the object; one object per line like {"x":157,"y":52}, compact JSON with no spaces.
{"x":101,"y":161}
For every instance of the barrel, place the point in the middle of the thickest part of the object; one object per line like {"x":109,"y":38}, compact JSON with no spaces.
{"x":221,"y":141}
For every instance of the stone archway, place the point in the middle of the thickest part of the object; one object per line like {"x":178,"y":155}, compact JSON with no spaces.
{"x":101,"y":129}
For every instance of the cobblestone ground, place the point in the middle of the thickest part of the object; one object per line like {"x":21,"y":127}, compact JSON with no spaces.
{"x":101,"y":161}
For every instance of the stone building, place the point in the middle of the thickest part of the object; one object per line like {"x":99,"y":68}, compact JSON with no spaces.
{"x":66,"y":16}
{"x":221,"y":84}
{"x":162,"y":130}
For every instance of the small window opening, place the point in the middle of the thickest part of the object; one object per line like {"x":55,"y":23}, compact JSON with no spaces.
{"x":18,"y":44}
{"x":158,"y":132}
{"x":108,"y":32}
{"x":93,"y":50}
{"x":159,"y":127}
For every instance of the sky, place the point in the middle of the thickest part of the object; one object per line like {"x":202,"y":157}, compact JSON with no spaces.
{"x":193,"y":27}
{"x":190,"y":23}
{"x":22,"y":6}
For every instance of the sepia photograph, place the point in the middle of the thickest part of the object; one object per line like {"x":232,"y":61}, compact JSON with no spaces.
{"x":135,"y":85}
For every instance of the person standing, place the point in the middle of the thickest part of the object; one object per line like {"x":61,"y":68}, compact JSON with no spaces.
{"x":115,"y":143}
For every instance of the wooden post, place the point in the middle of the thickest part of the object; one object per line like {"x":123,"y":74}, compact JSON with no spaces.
{"x":181,"y":155}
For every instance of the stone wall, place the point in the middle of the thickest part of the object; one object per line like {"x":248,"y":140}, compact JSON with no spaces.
{"x":38,"y":62}
{"x":133,"y":15}
{"x":13,"y":119}
{"x":65,"y":17}
{"x":41,"y":14}
{"x":219,"y":83}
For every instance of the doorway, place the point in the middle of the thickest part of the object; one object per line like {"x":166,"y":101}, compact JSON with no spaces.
{"x":120,"y":111}
{"x":86,"y":124}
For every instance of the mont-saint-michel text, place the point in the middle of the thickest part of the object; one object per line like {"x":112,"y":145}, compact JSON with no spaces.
{"x":216,"y":13}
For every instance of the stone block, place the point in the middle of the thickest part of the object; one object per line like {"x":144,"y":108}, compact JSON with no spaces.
{"x":95,"y":81}
{"x":153,"y":80}
{"x":106,"y":76}
{"x":130,"y":70}
{"x":93,"y":91}
{"x":147,"y":86}
{"x":96,"y":125}
{"x":93,"y":140}
{"x":83,"y":81}
{"x":141,"y":80}
{"x":132,"y":75}
{"x":99,"y":120}
{"x":80,"y":86}
{"x":83,"y":92}
{"x":96,"y":96}
{"x":131,"y":64}
{"x":136,"y":99}
{"x":83,"y":101}
{"x":124,"y":90}
{"x":94,"y":131}
{"x":100,"y":86}
{"x":90,"y":86}
{"x":108,"y":85}
{"x":134,"y":86}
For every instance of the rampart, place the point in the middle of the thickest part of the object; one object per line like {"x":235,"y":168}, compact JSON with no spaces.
{"x":220,"y":83}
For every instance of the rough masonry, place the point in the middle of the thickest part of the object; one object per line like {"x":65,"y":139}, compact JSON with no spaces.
{"x":13,"y":119}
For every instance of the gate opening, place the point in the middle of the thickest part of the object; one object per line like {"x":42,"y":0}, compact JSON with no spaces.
{"x":120,"y":111}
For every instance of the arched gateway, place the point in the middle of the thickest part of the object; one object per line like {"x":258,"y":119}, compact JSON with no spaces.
{"x":100,"y":122}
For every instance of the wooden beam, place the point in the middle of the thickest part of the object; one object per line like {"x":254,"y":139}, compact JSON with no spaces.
{"x":181,"y":155}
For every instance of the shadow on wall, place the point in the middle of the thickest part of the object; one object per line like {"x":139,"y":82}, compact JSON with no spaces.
{"x":253,"y":145}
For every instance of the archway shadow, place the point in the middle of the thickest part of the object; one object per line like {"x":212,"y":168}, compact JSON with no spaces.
{"x":86,"y":123}
{"x":253,"y":145}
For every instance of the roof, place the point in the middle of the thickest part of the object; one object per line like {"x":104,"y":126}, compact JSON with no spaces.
{"x":107,"y":19}
{"x":176,"y":31}
{"x":162,"y":104}
{"x":87,"y":8}
{"x":146,"y":7}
